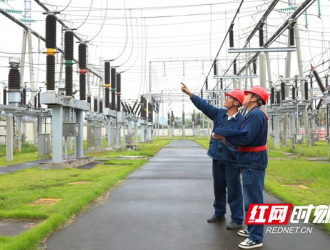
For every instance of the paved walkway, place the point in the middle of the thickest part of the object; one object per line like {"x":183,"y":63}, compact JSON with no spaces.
{"x":19,"y":166}
{"x":164,"y":205}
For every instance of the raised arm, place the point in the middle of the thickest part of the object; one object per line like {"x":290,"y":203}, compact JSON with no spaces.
{"x":209,"y":110}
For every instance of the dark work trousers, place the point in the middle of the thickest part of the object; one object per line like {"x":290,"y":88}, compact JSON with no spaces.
{"x":226,"y":178}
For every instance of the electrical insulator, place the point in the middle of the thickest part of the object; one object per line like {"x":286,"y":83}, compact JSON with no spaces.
{"x":68,"y":45}
{"x":215,"y":68}
{"x":35,"y":101}
{"x":278,"y":97}
{"x":261,"y":35}
{"x":254,"y":67}
{"x":50,"y":45}
{"x":39,"y":104}
{"x":107,"y":83}
{"x":68,"y":80}
{"x":89,"y":100}
{"x":24,"y":97}
{"x":231,"y":36}
{"x":113,"y":89}
{"x":95,"y":104}
{"x":291,"y":34}
{"x":319,"y":104}
{"x":318,"y":80}
{"x":4,"y":96}
{"x":118,"y":93}
{"x":128,"y":108}
{"x":283,"y":90}
{"x":272,"y":95}
{"x":306,"y":90}
{"x":101,"y":106}
{"x":293,"y":93}
{"x":82,"y":49}
{"x":235,"y":67}
{"x":134,"y":106}
{"x":82,"y":86}
{"x":50,"y":72}
{"x":14,"y":79}
{"x":201,"y":93}
{"x":51,"y":31}
{"x":206,"y":84}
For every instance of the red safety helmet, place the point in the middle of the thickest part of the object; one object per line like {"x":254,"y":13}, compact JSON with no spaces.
{"x":237,"y":94}
{"x":259,"y":91}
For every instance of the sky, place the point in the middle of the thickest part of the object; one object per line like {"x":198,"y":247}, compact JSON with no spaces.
{"x":174,"y":40}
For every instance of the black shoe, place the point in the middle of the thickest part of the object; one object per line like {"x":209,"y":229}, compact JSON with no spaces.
{"x":244,"y":233}
{"x":233,"y":225}
{"x":217,"y":218}
{"x":249,"y":244}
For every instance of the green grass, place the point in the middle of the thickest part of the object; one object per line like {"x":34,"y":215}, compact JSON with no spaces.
{"x":203,"y":141}
{"x":314,"y":175}
{"x":18,"y":189}
{"x":319,"y":150}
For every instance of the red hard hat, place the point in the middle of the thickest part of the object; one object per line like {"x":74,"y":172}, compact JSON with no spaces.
{"x":238,"y":94}
{"x":259,"y":91}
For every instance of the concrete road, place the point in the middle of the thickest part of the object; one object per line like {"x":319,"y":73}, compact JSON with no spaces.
{"x":164,"y":205}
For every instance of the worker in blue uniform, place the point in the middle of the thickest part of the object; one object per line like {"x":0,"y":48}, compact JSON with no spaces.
{"x":226,"y":173}
{"x":252,"y":158}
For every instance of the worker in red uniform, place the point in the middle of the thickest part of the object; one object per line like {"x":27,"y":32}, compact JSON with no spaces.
{"x":252,"y":158}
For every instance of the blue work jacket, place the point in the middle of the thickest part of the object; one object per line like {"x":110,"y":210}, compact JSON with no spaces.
{"x":219,"y":151}
{"x":256,"y":125}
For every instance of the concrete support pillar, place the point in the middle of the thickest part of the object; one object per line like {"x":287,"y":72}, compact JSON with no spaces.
{"x":35,"y":132}
{"x":135,"y":133}
{"x":70,"y":144}
{"x":19,"y":134}
{"x":124,"y":134}
{"x":143,"y":132}
{"x":57,"y":128}
{"x":9,"y":138}
{"x":109,"y":132}
{"x":276,"y":132}
{"x":79,"y":147}
{"x":149,"y":131}
{"x":129,"y":127}
{"x":113,"y":131}
{"x":117,"y":134}
{"x":292,"y":129}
